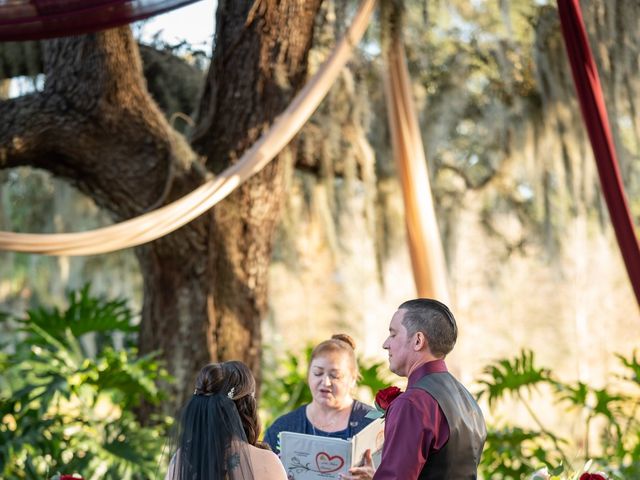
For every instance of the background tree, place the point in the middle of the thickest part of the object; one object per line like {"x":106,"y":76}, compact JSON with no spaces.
{"x":95,"y":124}
{"x":531,"y":255}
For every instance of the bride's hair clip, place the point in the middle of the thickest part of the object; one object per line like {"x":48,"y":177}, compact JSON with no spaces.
{"x":230,"y":393}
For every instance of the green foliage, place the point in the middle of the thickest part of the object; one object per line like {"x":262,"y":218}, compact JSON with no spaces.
{"x":511,"y":377}
{"x":83,"y":315}
{"x":374,"y":375}
{"x":284,"y":382}
{"x":68,"y":394}
{"x":632,"y":364}
{"x":513,"y":452}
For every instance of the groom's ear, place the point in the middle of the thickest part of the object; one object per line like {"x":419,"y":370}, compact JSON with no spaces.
{"x":419,"y":341}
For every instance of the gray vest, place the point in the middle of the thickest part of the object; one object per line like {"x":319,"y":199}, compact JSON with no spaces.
{"x":460,"y":456}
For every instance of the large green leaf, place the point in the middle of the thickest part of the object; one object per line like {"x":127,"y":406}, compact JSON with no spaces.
{"x":506,"y":377}
{"x":633,"y":363}
{"x":85,"y":314}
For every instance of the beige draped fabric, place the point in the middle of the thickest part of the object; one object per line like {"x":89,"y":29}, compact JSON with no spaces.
{"x":162,"y":221}
{"x":425,"y":247}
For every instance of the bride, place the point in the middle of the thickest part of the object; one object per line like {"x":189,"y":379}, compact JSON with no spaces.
{"x":219,"y":429}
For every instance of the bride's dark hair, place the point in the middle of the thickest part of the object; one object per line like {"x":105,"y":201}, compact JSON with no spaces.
{"x":217,"y":425}
{"x":221,"y":378}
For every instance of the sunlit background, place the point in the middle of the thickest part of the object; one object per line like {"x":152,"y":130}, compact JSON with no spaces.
{"x":532,"y":260}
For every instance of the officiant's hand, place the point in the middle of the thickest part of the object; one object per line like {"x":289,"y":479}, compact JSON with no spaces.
{"x":363,"y":472}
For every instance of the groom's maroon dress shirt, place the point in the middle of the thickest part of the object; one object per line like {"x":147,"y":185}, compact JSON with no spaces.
{"x":415,"y":427}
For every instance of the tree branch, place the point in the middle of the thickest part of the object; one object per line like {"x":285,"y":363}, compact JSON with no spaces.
{"x":173,"y":82}
{"x":96,"y":125}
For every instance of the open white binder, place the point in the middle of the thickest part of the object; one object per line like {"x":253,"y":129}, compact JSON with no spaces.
{"x":310,"y":457}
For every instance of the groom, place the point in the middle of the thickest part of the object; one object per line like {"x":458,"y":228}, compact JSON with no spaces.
{"x":434,"y":430}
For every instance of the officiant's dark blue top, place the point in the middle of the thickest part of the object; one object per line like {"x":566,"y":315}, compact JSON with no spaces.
{"x":297,"y":421}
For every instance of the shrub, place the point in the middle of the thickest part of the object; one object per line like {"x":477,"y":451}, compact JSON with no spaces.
{"x":513,"y":453}
{"x":68,"y":394}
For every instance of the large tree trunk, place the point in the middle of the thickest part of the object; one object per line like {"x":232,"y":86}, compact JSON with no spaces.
{"x":94,"y":123}
{"x":254,"y":75}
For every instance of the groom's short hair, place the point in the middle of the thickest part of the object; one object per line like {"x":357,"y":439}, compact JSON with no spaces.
{"x":434,"y":320}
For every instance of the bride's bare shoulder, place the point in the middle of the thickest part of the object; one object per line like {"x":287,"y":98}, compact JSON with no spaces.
{"x":266,"y":465}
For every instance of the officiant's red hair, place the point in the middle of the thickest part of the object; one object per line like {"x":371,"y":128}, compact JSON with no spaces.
{"x":342,"y":344}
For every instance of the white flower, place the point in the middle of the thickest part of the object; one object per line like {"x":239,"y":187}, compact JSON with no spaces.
{"x":542,"y":474}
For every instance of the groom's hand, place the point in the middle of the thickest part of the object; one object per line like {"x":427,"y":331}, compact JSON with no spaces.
{"x":363,"y":472}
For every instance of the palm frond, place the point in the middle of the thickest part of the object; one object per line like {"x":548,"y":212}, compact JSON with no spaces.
{"x":510,"y":376}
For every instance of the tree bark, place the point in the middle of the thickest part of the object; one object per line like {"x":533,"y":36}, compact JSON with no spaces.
{"x":205,"y":285}
{"x":173,"y":83}
{"x":260,"y":62}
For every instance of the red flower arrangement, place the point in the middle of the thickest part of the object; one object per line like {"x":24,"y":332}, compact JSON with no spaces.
{"x":383,"y":399}
{"x":593,"y":476}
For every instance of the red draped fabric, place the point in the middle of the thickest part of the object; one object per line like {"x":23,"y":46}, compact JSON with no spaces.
{"x":38,"y":19}
{"x":585,"y":77}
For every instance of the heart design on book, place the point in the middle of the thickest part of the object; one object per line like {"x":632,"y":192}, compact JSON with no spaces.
{"x":327,"y":464}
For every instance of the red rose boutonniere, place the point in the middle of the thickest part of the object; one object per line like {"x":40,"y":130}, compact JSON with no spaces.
{"x":384,"y":398}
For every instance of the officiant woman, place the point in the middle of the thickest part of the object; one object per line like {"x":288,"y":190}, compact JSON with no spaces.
{"x":333,"y":412}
